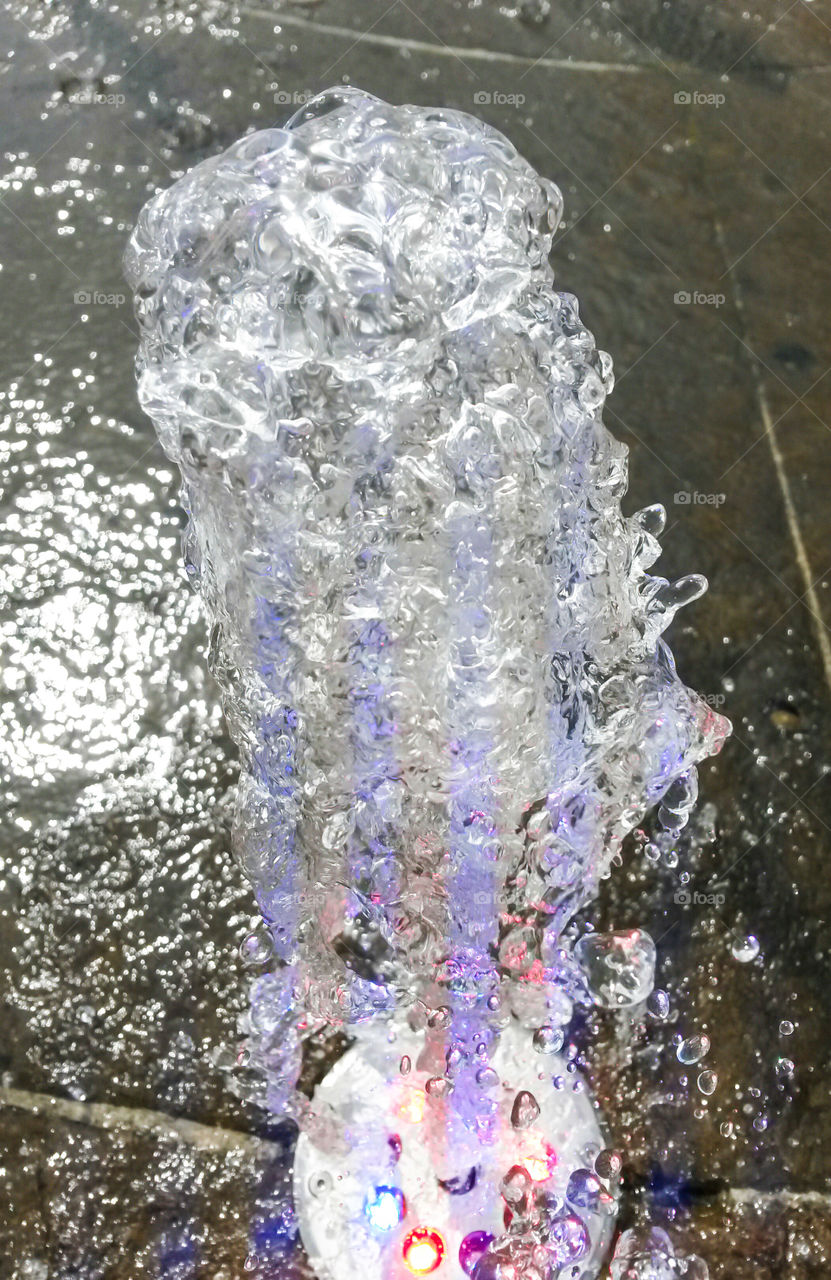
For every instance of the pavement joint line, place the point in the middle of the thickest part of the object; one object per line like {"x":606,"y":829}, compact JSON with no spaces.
{"x":784,"y":484}
{"x":114,"y":1118}
{"x":459,"y":52}
{"x":789,"y":1199}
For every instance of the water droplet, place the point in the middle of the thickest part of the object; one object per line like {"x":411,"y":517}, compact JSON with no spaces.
{"x":568,"y":1240}
{"x":438,"y":1087}
{"x":256,"y":949}
{"x":658,"y":1004}
{"x":405,"y":1066}
{"x":744,"y":947}
{"x":707,"y":1082}
{"x":515,"y":1184}
{"x":608,"y":1165}
{"x":584,"y":1189}
{"x":472,"y":1248}
{"x":619,"y":967}
{"x":461,"y":1183}
{"x":693,"y":1049}
{"x":525,"y":1110}
{"x":548,"y":1040}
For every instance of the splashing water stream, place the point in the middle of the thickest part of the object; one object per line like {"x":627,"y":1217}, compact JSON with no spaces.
{"x":441,"y":658}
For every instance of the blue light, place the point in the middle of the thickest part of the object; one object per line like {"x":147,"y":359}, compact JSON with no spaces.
{"x":385,"y":1208}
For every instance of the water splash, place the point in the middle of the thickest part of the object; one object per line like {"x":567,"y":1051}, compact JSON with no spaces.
{"x":438,"y":643}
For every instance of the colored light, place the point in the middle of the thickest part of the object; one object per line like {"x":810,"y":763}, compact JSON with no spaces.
{"x":423,"y":1251}
{"x":537,"y":1157}
{"x":412,"y":1106}
{"x":385,"y":1208}
{"x":472,"y":1248}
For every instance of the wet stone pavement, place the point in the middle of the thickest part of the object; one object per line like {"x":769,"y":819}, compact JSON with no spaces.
{"x":692,"y":143}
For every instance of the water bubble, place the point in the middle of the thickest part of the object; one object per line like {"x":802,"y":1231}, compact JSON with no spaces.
{"x":619,"y":967}
{"x":405,"y":1066}
{"x":525,"y":1110}
{"x":784,"y":1069}
{"x":548,"y":1039}
{"x":440,"y":1019}
{"x":786,"y":1028}
{"x":608,"y":1165}
{"x":486,"y":1078}
{"x":647,"y":1253}
{"x":515,"y":1185}
{"x":472,"y":1248}
{"x":256,"y":949}
{"x":693,"y":1049}
{"x":708,"y":1082}
{"x":438,"y":1087}
{"x":584,"y":1189}
{"x":744,"y":947}
{"x":568,"y":1240}
{"x":658,"y":1004}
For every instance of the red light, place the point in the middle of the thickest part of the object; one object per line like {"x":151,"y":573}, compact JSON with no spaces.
{"x":538,"y":1158}
{"x":423,"y":1251}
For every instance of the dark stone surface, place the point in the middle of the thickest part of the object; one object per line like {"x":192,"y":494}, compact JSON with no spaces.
{"x":120,"y":911}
